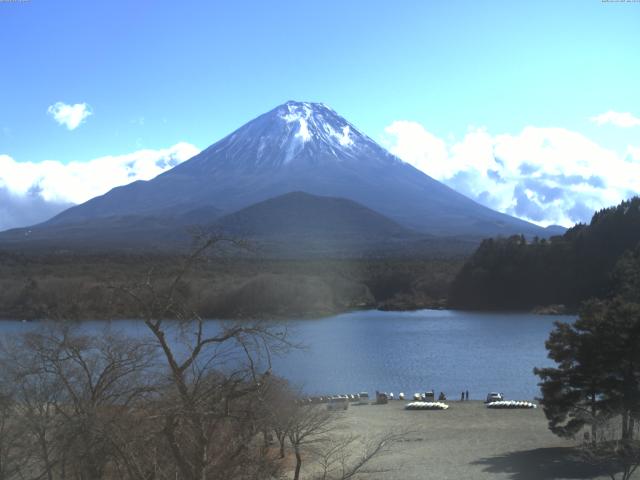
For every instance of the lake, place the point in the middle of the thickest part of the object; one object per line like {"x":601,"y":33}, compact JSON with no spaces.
{"x":443,"y":350}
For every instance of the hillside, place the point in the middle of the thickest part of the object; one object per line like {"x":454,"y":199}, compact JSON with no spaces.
{"x":513,"y":273}
{"x":300,"y":224}
{"x":300,"y":214}
{"x":294,"y":225}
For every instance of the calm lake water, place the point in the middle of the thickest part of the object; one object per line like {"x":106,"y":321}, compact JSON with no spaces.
{"x":443,"y":350}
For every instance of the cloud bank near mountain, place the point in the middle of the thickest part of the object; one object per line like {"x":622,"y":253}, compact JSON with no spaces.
{"x":544,"y":175}
{"x":33,"y":192}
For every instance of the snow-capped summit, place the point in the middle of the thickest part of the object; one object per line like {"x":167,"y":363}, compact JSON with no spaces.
{"x":302,"y":147}
{"x":294,"y":133}
{"x":317,"y":121}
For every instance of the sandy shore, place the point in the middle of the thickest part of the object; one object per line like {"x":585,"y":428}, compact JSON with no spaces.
{"x":468,"y":441}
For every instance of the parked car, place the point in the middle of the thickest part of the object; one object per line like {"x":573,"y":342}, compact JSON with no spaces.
{"x":494,"y":397}
{"x":338,"y":403}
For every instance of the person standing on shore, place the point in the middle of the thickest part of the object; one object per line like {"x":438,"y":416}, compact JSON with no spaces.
{"x":462,"y":397}
{"x":466,"y":394}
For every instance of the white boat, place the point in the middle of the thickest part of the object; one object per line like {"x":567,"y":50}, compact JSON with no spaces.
{"x":426,"y":406}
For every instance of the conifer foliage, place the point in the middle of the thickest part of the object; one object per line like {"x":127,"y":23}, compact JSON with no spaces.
{"x":522,"y":273}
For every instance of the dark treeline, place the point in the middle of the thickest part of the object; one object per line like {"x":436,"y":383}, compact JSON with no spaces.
{"x":82,"y":286}
{"x":515,"y":273}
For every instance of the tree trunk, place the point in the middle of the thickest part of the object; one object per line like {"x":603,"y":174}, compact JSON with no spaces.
{"x":296,"y":475}
{"x":281,"y":440}
{"x":181,"y":461}
{"x":45,"y":455}
{"x":41,"y":436}
{"x":594,"y":428}
{"x":205,"y":460}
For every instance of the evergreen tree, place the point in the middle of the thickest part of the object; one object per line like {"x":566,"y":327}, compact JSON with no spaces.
{"x":509,"y":273}
{"x":598,"y":370}
{"x":574,"y":392}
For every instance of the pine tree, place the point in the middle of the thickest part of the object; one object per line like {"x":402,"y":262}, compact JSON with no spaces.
{"x":574,"y":393}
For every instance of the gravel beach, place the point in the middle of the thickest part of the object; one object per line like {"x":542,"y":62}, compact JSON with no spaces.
{"x":467,"y":441}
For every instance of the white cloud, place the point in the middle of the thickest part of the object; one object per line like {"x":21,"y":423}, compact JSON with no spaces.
{"x":32,"y":192}
{"x":71,"y":116}
{"x":545,"y":175}
{"x":633,"y":154}
{"x":619,"y":119}
{"x":415,"y":145}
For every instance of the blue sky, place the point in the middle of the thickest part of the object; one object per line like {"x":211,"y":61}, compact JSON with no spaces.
{"x":155,"y":74}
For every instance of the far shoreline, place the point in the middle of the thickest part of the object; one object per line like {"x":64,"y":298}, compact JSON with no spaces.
{"x":312,"y":315}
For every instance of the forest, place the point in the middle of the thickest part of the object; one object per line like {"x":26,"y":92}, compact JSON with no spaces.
{"x":86,"y":286}
{"x":520,"y":274}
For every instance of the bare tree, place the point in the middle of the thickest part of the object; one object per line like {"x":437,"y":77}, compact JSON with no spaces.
{"x":12,"y":438}
{"x":309,"y":425}
{"x":345,"y":457}
{"x":313,"y":430}
{"x":73,"y":393}
{"x":213,"y":378}
{"x":35,"y":399}
{"x":279,"y":404}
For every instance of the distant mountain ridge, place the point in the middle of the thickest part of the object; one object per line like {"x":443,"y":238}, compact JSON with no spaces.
{"x":293,"y":225}
{"x":297,"y":147}
{"x":304,"y":147}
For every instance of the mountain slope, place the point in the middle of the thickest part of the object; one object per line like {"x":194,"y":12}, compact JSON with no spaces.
{"x":293,"y":225}
{"x":302,"y":147}
{"x":117,"y":232}
{"x":300,"y":214}
{"x":299,"y":224}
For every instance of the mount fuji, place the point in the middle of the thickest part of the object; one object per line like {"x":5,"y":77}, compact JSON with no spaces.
{"x":296,"y":147}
